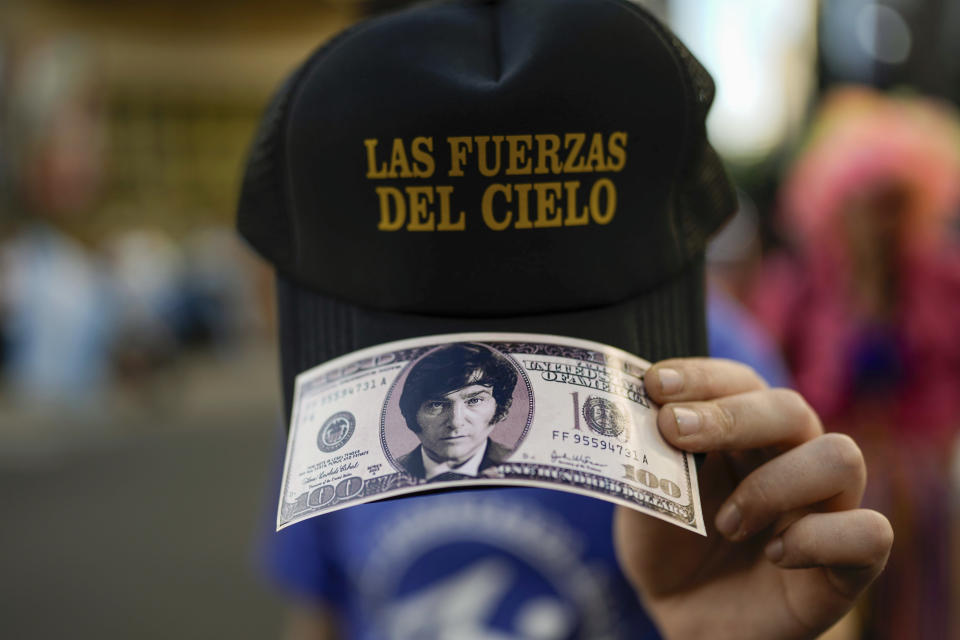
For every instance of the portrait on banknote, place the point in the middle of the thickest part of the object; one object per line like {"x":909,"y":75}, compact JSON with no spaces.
{"x":455,"y":412}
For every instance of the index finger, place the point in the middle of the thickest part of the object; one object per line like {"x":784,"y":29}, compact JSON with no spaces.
{"x":684,"y":379}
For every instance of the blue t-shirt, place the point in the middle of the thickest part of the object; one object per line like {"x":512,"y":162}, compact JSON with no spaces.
{"x":491,"y":564}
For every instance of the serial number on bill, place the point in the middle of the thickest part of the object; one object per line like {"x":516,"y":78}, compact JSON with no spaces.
{"x":343,"y":392}
{"x":601,"y":444}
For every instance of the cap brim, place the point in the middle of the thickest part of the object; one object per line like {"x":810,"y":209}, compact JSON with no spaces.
{"x":663,"y":322}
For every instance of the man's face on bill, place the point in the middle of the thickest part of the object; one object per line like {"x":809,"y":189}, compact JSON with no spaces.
{"x":455,"y":426}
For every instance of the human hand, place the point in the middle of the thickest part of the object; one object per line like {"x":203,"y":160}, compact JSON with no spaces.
{"x":788,"y":548}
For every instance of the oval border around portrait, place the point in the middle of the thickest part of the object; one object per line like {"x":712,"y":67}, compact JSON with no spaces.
{"x":511,"y":431}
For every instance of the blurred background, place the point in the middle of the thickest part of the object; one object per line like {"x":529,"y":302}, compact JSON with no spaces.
{"x":139,"y":394}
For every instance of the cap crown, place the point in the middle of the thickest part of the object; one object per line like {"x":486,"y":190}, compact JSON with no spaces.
{"x":488,"y":158}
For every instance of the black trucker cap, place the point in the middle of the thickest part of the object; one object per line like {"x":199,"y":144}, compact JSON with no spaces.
{"x":515,"y":165}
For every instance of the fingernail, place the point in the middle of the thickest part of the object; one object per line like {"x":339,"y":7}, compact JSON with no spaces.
{"x":728,"y":520}
{"x":774,"y":550}
{"x":688,"y":420}
{"x":671,"y":381}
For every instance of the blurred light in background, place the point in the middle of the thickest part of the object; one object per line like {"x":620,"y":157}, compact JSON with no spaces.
{"x":762,"y":55}
{"x":892,"y":43}
{"x":884,"y":34}
{"x":881,"y":35}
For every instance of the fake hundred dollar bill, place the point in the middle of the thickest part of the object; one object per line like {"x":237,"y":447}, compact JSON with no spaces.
{"x":482,"y":409}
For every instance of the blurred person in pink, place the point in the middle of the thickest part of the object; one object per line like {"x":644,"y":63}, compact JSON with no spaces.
{"x":866,"y":305}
